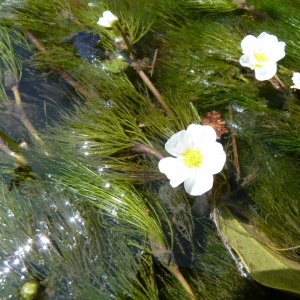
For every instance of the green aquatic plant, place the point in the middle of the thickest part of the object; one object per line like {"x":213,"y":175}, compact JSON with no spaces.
{"x":97,"y":217}
{"x":213,"y":8}
{"x":11,"y":69}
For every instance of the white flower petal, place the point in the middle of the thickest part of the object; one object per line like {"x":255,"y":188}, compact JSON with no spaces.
{"x":267,"y":43}
{"x":248,"y":43}
{"x":262,"y":53}
{"x":267,"y":40}
{"x":267,"y":72}
{"x":245,"y":61}
{"x":214,"y":158}
{"x":197,"y":178}
{"x":280,"y":53}
{"x":201,"y":134}
{"x":103,"y":22}
{"x":108,"y":19}
{"x":174,"y":170}
{"x":274,"y":52}
{"x":109,"y":15}
{"x":179,"y":143}
{"x":296,"y":80}
{"x":263,"y":34}
{"x":198,"y":184}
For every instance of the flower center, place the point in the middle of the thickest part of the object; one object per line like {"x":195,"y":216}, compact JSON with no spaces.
{"x":192,"y":158}
{"x":261,"y":57}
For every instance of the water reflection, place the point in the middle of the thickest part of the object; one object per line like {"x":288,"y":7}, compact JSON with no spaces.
{"x":58,"y":228}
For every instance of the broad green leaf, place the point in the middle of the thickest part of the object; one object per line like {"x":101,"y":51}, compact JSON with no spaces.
{"x":263,"y":264}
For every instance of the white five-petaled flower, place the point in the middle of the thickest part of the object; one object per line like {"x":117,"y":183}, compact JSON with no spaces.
{"x":197,"y":157}
{"x":296,"y":81}
{"x":108,"y":20}
{"x":262,"y":54}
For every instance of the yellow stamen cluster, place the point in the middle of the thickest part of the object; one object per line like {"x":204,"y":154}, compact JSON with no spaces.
{"x":261,"y":58}
{"x":192,"y":158}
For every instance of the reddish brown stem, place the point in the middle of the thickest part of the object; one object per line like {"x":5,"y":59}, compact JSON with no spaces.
{"x":234,"y":147}
{"x":176,"y":272}
{"x":22,"y":116}
{"x":153,"y":62}
{"x":34,"y":40}
{"x":145,"y":149}
{"x":155,"y":92}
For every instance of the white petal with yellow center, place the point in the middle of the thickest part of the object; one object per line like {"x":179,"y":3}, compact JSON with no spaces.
{"x":262,"y":54}
{"x":199,"y":156}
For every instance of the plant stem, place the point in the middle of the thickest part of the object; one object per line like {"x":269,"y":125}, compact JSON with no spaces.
{"x":174,"y":269}
{"x":283,"y":249}
{"x":34,"y":40}
{"x":279,"y":80}
{"x":126,"y":40}
{"x":154,"y":62}
{"x":155,"y":92}
{"x":234,"y":147}
{"x":145,"y":149}
{"x":15,"y":90}
{"x":13,"y":154}
{"x":166,"y":258}
{"x":142,"y":73}
{"x":278,"y":84}
{"x":22,"y":116}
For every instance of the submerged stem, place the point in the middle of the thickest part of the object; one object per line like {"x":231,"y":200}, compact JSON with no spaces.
{"x":154,"y":62}
{"x":34,"y":40}
{"x":155,"y":92}
{"x":141,"y":148}
{"x":166,"y":258}
{"x":142,"y":74}
{"x":283,"y":249}
{"x":174,"y":269}
{"x":22,"y":116}
{"x":4,"y":148}
{"x":15,"y":90}
{"x":126,"y":40}
{"x":234,"y":147}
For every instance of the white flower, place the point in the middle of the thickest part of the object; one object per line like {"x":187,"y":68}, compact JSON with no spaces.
{"x":198,"y":157}
{"x":296,"y":81}
{"x":108,"y":20}
{"x":261,"y":54}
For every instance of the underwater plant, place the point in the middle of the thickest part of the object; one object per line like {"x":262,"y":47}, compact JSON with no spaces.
{"x":91,"y":102}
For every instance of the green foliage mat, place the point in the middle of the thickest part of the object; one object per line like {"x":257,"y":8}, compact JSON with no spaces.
{"x":85,"y":212}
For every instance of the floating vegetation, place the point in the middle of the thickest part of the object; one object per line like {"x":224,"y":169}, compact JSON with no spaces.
{"x":94,"y":95}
